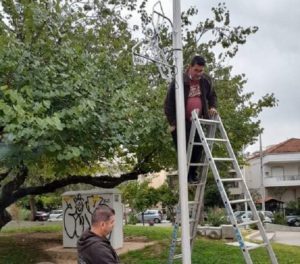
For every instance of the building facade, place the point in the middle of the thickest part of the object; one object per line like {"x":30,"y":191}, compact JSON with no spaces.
{"x":280,"y":176}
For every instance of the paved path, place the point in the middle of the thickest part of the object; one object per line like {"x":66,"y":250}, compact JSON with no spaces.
{"x":288,"y":238}
{"x":283,"y":237}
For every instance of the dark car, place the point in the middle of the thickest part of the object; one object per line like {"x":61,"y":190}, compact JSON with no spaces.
{"x":41,"y":216}
{"x":293,"y":220}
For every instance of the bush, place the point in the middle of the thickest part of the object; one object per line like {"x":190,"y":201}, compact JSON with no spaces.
{"x":216,"y":216}
{"x":279,"y":219}
{"x":19,"y":213}
{"x":24,"y":214}
{"x":132,"y":219}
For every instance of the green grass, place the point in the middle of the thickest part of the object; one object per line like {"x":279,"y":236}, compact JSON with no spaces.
{"x":33,"y":229}
{"x":151,"y":232}
{"x":205,"y":251}
{"x":11,"y":253}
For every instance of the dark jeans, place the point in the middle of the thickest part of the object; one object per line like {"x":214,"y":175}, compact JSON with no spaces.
{"x":197,"y":150}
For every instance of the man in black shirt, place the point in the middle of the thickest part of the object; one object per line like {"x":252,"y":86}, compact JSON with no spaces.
{"x":93,"y":246}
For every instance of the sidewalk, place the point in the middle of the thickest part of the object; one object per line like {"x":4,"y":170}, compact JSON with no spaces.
{"x":283,"y":237}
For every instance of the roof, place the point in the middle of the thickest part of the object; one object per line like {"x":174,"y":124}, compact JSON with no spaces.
{"x":289,"y":146}
{"x":268,"y":199}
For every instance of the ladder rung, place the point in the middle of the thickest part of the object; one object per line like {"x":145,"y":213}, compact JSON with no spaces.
{"x":217,"y":139}
{"x":223,"y":159}
{"x":231,"y":179}
{"x":208,"y":121}
{"x":196,"y":183}
{"x":257,"y":246}
{"x":248,"y":223}
{"x":177,"y":256}
{"x":193,"y":202}
{"x":239,"y":201}
{"x":197,"y":143}
{"x":199,"y":164}
{"x":178,"y":240}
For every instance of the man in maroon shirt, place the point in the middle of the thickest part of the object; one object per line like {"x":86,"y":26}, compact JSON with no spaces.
{"x":199,"y":95}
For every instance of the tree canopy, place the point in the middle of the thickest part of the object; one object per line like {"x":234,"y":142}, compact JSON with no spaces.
{"x":73,"y":107}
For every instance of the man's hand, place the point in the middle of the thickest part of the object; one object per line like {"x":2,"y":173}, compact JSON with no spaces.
{"x":172,"y":128}
{"x":212,"y":112}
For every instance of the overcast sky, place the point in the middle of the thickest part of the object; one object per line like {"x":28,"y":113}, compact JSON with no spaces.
{"x":270,"y":58}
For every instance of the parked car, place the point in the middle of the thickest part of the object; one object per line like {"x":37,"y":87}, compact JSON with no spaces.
{"x":265,"y":216}
{"x":150,"y":215}
{"x":293,"y":220}
{"x":55,"y":213}
{"x":41,"y":216}
{"x":55,"y":218}
{"x":269,"y":216}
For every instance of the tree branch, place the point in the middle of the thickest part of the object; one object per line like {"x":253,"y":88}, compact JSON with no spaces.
{"x":4,"y":175}
{"x":105,"y":181}
{"x":14,"y":184}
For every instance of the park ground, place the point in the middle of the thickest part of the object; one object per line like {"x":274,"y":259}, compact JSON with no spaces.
{"x":36,"y":244}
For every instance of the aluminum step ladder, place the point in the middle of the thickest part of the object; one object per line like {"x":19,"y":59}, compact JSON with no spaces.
{"x":195,"y":206}
{"x":216,"y":126}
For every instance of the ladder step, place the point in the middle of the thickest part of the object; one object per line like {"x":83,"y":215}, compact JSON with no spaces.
{"x":178,"y":240}
{"x":199,"y":164}
{"x":197,"y":144}
{"x":223,"y":159}
{"x":240,"y":201}
{"x":177,"y":256}
{"x":231,"y":179}
{"x":208,"y":121}
{"x":257,"y":246}
{"x":248,"y":223}
{"x":192,"y":202}
{"x":196,"y":183}
{"x":217,"y":139}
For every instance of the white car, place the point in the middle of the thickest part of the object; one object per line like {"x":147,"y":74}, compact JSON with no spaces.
{"x":55,"y":215}
{"x":266,"y":216}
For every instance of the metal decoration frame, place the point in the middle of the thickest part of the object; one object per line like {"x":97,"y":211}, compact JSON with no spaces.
{"x":150,"y":50}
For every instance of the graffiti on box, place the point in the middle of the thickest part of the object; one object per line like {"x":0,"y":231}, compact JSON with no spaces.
{"x":78,"y":212}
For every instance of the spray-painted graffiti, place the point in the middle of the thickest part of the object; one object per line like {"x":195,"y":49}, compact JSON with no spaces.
{"x":78,"y":211}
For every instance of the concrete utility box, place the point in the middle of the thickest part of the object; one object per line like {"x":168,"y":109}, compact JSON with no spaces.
{"x":78,"y":207}
{"x":227,"y":231}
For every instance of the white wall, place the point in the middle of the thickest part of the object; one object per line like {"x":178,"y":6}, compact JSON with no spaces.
{"x":78,"y":207}
{"x":252,"y":174}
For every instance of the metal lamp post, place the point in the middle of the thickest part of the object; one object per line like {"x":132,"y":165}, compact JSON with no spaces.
{"x":181,"y":139}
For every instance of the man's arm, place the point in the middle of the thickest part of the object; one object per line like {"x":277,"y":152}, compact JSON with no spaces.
{"x":170,"y":105}
{"x":211,"y":98}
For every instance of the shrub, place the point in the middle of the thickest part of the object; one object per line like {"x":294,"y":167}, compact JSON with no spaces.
{"x":132,"y":219}
{"x":216,"y":216}
{"x":279,"y":219}
{"x":24,"y":214}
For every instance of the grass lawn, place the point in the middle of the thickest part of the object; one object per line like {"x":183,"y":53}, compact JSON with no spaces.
{"x":205,"y":251}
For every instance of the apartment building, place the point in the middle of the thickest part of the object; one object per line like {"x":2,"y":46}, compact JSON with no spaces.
{"x":280,"y":171}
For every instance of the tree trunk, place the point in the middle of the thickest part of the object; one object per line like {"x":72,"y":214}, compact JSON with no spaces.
{"x":32,"y":207}
{"x":4,"y":218}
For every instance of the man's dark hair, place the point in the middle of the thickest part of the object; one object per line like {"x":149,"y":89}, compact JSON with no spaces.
{"x":102,"y":213}
{"x":198,"y":60}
